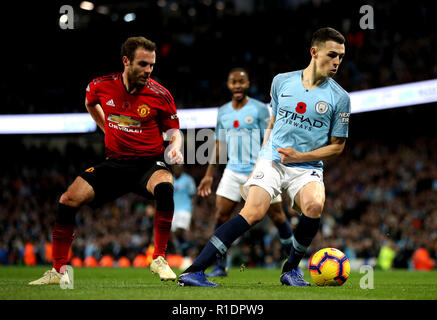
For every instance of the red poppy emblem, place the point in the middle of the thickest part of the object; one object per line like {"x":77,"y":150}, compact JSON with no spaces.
{"x":236,"y":124}
{"x":301,"y":107}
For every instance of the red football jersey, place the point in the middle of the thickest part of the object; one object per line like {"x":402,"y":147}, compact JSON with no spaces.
{"x":134,"y":123}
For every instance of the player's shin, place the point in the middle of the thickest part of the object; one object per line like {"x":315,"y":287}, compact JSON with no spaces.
{"x":221,"y":261}
{"x":63,"y":234}
{"x":163,"y":193}
{"x":285,"y":235}
{"x":304,"y":234}
{"x":219,"y":243}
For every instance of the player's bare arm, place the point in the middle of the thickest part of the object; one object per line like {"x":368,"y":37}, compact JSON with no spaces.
{"x":333,"y":150}
{"x":269,"y":129}
{"x":204,"y":188}
{"x":266,"y":137}
{"x":96,"y":112}
{"x":174,"y":153}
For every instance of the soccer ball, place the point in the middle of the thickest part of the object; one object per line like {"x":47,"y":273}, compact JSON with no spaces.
{"x":329,"y":267}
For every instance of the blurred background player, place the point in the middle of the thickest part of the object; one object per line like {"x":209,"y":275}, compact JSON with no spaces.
{"x":184,"y":190}
{"x":133,"y":111}
{"x":310,"y":116}
{"x":239,"y":133}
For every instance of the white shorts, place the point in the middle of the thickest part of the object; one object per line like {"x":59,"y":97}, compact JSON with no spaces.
{"x":181,"y":219}
{"x":229,"y":186}
{"x":274,"y":177}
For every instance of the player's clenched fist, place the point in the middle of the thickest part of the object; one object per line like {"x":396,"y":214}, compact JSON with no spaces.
{"x":204,"y":188}
{"x":288,"y":155}
{"x":175,"y":156}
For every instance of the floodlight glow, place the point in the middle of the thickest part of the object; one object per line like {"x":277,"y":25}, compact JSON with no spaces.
{"x":174,"y":6}
{"x":47,"y":123}
{"x":220,"y":5}
{"x":191,"y":12}
{"x":403,"y":95}
{"x":103,"y":10}
{"x":63,"y":19}
{"x":130,"y":17}
{"x":197,"y":118}
{"x":86,"y":5}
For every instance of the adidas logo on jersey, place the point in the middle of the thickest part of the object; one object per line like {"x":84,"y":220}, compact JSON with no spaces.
{"x":110,"y":103}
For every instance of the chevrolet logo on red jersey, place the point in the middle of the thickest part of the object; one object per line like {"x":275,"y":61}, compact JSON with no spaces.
{"x":143,"y":110}
{"x":124,"y":121}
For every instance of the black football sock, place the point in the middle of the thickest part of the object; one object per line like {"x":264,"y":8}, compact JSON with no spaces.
{"x":304,"y":233}
{"x":221,"y":261}
{"x":219,"y":243}
{"x":285,"y":235}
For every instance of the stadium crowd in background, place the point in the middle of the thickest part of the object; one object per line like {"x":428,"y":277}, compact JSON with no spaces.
{"x":379,"y":195}
{"x":199,"y":41}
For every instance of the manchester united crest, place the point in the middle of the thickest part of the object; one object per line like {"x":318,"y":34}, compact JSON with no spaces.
{"x":143,"y":110}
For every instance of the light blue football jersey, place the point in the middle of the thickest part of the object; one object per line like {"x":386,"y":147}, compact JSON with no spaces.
{"x":243,"y":131}
{"x":305,"y":119}
{"x":184,"y":189}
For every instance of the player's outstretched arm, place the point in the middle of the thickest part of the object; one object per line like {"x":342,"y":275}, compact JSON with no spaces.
{"x":269,"y":129}
{"x":330,"y":151}
{"x":174,"y":154}
{"x":96,"y":112}
{"x":204,"y":188}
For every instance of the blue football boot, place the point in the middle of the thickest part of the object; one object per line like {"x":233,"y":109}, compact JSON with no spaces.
{"x":217,"y":272}
{"x":299,"y":270}
{"x":195,"y":279}
{"x":293,"y":278}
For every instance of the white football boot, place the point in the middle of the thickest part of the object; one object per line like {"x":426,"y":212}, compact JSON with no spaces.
{"x":161,"y":267}
{"x":52,"y":277}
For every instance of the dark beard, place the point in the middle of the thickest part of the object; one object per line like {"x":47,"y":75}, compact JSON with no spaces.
{"x":135,"y":84}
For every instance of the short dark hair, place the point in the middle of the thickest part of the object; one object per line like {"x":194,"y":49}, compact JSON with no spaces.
{"x":133,"y":43}
{"x":238,"y":69}
{"x":325,"y":34}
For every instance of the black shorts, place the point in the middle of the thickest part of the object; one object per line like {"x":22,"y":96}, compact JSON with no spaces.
{"x":113,"y":178}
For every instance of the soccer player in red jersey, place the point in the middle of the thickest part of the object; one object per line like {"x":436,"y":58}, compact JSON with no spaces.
{"x":134,"y":111}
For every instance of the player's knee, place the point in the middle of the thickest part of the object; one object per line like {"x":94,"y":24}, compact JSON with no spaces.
{"x":70,"y":200}
{"x":313,"y":209}
{"x":163,"y":194}
{"x":252,"y":215}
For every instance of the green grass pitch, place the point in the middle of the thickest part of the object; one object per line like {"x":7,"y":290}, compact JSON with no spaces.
{"x":250,"y":284}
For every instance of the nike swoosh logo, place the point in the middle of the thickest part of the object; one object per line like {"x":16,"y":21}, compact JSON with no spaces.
{"x":286,"y":95}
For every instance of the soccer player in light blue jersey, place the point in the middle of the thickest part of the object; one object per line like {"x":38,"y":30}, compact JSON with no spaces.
{"x":309,"y":124}
{"x":241,"y":124}
{"x":184,"y":190}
